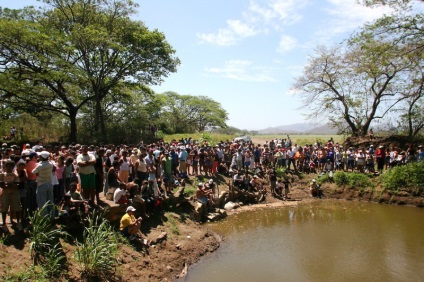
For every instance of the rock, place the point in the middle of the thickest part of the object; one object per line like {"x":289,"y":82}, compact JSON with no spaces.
{"x":214,"y":216}
{"x":159,"y":239}
{"x":170,"y":269}
{"x":184,"y":271}
{"x":229,"y":206}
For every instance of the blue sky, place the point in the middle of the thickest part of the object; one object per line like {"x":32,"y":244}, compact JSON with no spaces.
{"x":246,"y":54}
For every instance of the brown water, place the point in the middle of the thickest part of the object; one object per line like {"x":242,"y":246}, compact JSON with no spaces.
{"x":321,"y":241}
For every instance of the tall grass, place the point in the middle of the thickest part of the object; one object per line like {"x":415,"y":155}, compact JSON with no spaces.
{"x":97,"y":253}
{"x":44,"y":236}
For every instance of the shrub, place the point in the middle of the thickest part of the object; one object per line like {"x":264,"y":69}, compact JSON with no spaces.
{"x":358,"y":180}
{"x":323,"y":179}
{"x":281,"y":172}
{"x":340,"y":178}
{"x":410,"y":177}
{"x":351,"y":180}
{"x":96,"y":255}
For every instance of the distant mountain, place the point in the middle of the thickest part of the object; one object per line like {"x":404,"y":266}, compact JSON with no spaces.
{"x":300,"y":128}
{"x":325,"y":129}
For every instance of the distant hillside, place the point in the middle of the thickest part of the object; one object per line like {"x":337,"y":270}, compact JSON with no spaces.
{"x":322,"y":129}
{"x":300,"y":128}
{"x":289,"y":129}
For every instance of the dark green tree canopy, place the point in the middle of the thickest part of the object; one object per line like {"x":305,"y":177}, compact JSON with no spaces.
{"x":73,"y":52}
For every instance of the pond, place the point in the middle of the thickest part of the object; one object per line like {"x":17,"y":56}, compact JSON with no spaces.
{"x":318,"y":241}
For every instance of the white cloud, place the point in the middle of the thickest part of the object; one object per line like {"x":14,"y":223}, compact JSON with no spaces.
{"x":244,"y":71}
{"x":259,"y":18}
{"x":235,"y":31}
{"x":287,"y":43}
{"x":346,"y":16}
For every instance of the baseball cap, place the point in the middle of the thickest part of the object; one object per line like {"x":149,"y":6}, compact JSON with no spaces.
{"x":44,"y":154}
{"x":131,"y":208}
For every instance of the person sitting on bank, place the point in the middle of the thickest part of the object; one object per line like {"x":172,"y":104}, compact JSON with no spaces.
{"x":238,"y":180}
{"x":202,"y":195}
{"x":121,"y":195}
{"x":129,"y":225}
{"x":210,"y":188}
{"x":77,"y":200}
{"x":314,"y":189}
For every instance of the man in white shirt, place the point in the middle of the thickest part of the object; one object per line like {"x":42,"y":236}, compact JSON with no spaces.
{"x":44,"y":193}
{"x":87,"y":172}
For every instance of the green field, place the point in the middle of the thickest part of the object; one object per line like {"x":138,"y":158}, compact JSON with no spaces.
{"x":300,"y":139}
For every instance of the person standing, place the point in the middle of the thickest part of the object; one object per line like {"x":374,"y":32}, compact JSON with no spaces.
{"x":380,"y":156}
{"x":44,"y":193}
{"x":100,"y":173}
{"x":87,"y":172}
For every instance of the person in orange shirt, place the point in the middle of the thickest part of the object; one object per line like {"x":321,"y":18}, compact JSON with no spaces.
{"x":31,"y":183}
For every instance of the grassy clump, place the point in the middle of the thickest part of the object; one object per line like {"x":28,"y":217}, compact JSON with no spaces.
{"x":173,"y":226}
{"x":410,"y":177}
{"x":45,"y":247}
{"x":97,"y":253}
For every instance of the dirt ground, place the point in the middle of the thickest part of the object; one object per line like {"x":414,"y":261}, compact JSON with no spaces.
{"x":186,"y":241}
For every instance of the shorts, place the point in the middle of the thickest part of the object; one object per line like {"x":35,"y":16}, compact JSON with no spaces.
{"x":203,"y":200}
{"x":11,"y":200}
{"x":322,"y":160}
{"x":246,"y":163}
{"x":88,"y":181}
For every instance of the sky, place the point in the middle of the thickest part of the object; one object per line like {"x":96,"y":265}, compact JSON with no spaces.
{"x":245,"y":54}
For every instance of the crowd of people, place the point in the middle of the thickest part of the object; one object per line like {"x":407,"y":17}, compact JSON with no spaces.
{"x":72,"y":177}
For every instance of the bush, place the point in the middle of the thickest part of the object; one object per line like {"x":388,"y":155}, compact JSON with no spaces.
{"x":340,"y":178}
{"x":351,"y":180}
{"x":96,"y":255}
{"x":410,"y":177}
{"x":358,"y":180}
{"x":281,"y":172}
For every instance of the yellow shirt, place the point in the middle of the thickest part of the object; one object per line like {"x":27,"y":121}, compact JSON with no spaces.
{"x":126,"y":221}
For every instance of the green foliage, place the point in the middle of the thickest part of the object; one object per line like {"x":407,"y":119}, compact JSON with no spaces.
{"x":341,"y":178}
{"x":44,"y":237}
{"x":281,"y":172}
{"x":29,"y":273}
{"x":358,"y":180}
{"x":189,"y":191}
{"x":323,"y":179}
{"x":410,"y":177}
{"x":96,"y":255}
{"x":350,"y":180}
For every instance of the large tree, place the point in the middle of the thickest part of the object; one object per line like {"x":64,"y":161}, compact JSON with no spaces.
{"x":351,"y":86}
{"x":77,"y":51}
{"x":187,"y":113}
{"x":373,"y":73}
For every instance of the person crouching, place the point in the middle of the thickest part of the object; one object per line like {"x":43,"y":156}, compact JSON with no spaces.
{"x":129,"y":225}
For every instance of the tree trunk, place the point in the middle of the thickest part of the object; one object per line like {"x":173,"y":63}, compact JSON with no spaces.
{"x":100,"y":120}
{"x":73,"y":128}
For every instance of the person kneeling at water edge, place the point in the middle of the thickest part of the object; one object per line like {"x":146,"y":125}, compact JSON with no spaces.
{"x":129,"y":225}
{"x":315,"y":189}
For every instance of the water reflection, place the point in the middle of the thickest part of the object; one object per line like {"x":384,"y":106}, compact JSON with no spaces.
{"x":320,"y":241}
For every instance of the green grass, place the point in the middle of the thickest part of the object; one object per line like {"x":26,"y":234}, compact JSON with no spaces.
{"x":97,"y":253}
{"x":173,"y":226}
